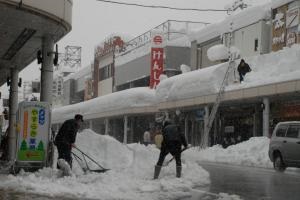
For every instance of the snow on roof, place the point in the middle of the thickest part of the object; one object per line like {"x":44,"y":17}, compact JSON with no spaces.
{"x":244,"y":18}
{"x":269,"y":68}
{"x":195,"y":83}
{"x":131,"y":98}
{"x":278,"y":3}
{"x":82,"y":72}
{"x":266,"y":69}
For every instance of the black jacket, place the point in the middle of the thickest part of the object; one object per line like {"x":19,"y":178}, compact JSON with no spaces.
{"x":243,"y":69}
{"x":172,"y":134}
{"x":67,"y":132}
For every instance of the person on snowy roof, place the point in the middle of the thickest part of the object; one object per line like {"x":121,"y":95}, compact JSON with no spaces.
{"x":243,"y":69}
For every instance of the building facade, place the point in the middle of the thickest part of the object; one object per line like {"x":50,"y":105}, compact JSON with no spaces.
{"x":285,"y":26}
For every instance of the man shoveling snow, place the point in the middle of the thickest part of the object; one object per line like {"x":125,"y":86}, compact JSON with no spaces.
{"x":64,"y":141}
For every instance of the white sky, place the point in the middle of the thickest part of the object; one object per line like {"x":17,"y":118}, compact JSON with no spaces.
{"x":132,"y":168}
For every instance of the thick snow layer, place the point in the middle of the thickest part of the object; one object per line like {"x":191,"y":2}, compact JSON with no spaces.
{"x":269,"y":68}
{"x":132,"y":168}
{"x":218,"y":52}
{"x":130,"y":176}
{"x":272,"y":68}
{"x":244,"y":18}
{"x":195,"y":83}
{"x":278,"y":3}
{"x":253,"y":152}
{"x":131,"y":98}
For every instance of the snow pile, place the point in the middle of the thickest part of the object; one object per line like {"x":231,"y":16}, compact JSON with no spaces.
{"x":218,"y":52}
{"x":195,"y":83}
{"x":184,"y":68}
{"x":270,"y":68}
{"x":253,"y":152}
{"x":238,"y":20}
{"x":130,"y":176}
{"x":131,"y":98}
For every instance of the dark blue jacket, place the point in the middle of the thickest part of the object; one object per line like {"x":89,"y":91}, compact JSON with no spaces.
{"x":172,"y":134}
{"x":67,"y":132}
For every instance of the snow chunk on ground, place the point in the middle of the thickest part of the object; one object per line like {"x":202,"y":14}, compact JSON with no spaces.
{"x":130,"y":177}
{"x":253,"y":152}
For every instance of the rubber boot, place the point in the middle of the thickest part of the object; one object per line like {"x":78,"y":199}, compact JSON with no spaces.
{"x":178,"y":171}
{"x":156,"y":171}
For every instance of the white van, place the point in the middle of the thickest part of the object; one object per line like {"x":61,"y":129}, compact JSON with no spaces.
{"x":284,"y":148}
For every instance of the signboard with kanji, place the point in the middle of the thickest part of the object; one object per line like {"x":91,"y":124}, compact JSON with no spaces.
{"x":157,"y":59}
{"x":33,"y":131}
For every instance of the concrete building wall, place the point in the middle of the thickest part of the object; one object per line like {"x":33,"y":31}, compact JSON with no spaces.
{"x":176,"y":56}
{"x":194,"y":55}
{"x":202,"y":52}
{"x":251,"y":40}
{"x":105,"y":86}
{"x":68,"y":91}
{"x":140,"y":67}
{"x":132,"y":70}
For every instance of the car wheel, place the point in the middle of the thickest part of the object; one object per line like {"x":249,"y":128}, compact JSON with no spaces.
{"x":278,"y":163}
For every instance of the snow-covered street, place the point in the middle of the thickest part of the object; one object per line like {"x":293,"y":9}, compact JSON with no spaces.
{"x":132,"y":168}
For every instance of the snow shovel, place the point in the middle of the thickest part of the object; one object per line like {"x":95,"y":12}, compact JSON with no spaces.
{"x":167,"y":163}
{"x":85,"y":169}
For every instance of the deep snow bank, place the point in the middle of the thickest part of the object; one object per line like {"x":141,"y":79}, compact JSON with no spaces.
{"x":253,"y":152}
{"x":130,"y":176}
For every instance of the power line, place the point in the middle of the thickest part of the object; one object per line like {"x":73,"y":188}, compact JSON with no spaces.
{"x":164,"y":7}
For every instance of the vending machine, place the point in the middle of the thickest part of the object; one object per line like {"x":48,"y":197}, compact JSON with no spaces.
{"x":33,"y":132}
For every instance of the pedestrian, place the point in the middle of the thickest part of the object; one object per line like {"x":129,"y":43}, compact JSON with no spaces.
{"x":172,"y":143}
{"x":158,"y":138}
{"x":243,"y":69}
{"x":66,"y":137}
{"x":146,"y":137}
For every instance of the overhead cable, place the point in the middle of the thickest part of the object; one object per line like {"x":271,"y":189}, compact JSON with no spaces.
{"x":163,"y":7}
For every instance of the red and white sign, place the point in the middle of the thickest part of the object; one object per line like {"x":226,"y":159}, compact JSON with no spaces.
{"x":157,"y":66}
{"x":157,"y":60}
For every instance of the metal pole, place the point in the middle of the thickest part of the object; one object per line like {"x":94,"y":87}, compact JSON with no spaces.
{"x":91,"y":124}
{"x":266,"y":116}
{"x":125,"y":129}
{"x":206,"y":121}
{"x":47,"y":69}
{"x":186,"y":124}
{"x":13,"y":106}
{"x":106,"y":121}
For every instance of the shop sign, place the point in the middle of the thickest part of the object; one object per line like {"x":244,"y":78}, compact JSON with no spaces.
{"x":291,"y":39}
{"x":278,"y":21}
{"x":157,"y":60}
{"x":292,"y":18}
{"x":289,"y":111}
{"x":279,"y":39}
{"x":114,"y":43}
{"x":33,"y":131}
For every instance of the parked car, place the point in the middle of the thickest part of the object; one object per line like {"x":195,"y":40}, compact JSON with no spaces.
{"x":284,"y":148}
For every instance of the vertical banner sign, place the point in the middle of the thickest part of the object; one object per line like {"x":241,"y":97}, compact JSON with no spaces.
{"x":33,"y":134}
{"x":157,"y":60}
